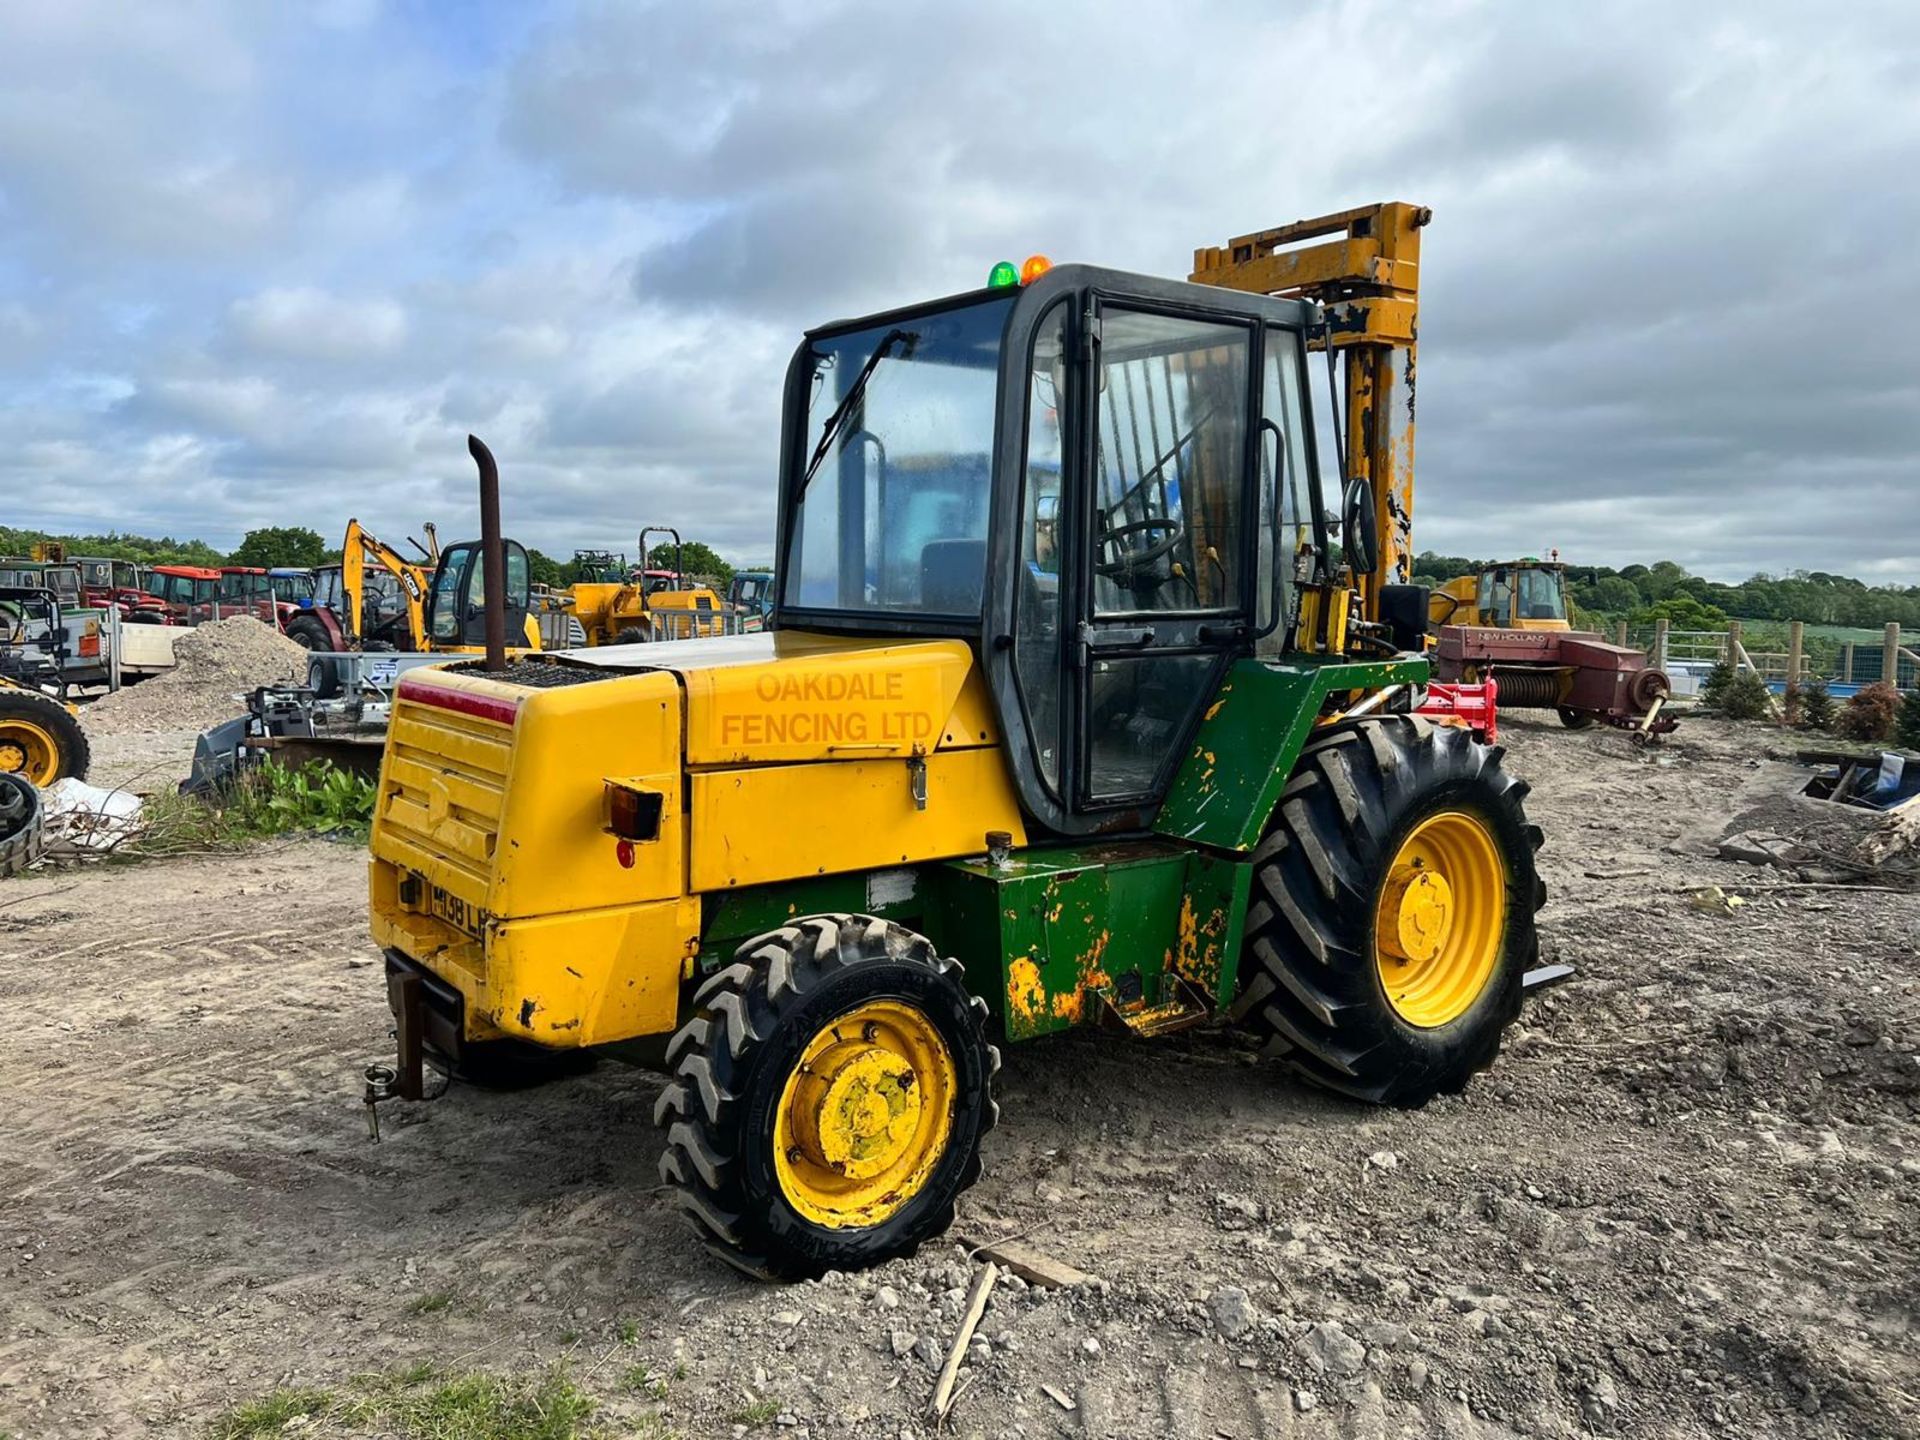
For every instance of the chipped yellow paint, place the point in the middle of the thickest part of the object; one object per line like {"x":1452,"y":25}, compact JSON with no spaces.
{"x":1215,"y":708}
{"x":1026,"y":997}
{"x":1196,"y":956}
{"x":1071,"y":1005}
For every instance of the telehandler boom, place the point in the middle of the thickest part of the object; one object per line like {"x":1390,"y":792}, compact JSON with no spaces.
{"x":1064,"y":717}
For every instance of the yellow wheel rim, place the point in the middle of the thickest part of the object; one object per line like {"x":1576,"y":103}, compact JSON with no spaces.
{"x":865,"y":1116}
{"x":1440,"y":919}
{"x":30,"y":750}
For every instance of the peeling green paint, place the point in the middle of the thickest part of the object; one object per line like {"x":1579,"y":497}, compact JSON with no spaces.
{"x":1250,"y":739}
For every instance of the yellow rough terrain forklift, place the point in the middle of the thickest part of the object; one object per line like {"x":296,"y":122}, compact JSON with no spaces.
{"x":1064,"y":718}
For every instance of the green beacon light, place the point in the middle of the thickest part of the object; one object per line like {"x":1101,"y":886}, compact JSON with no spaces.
{"x":1002,"y":275}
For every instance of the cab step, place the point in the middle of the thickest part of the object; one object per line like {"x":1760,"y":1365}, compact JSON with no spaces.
{"x":1190,"y":1006}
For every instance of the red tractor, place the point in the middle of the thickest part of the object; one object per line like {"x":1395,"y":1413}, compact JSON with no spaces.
{"x":123,"y":585}
{"x":186,"y":590}
{"x":254,"y":590}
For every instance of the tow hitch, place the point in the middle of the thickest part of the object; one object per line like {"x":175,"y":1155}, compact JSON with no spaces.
{"x":405,"y":1079}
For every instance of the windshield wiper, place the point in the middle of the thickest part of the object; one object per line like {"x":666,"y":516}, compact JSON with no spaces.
{"x":830,"y":427}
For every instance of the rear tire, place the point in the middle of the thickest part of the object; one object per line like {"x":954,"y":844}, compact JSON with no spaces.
{"x":309,"y":633}
{"x":1311,"y":978}
{"x":39,"y":738}
{"x":1577,"y":719}
{"x":736,"y":1067}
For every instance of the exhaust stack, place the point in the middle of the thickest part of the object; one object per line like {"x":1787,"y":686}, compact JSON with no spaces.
{"x":493,"y":554}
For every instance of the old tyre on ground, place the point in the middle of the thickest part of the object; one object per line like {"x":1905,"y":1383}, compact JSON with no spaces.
{"x":22,"y":836}
{"x":39,"y":738}
{"x":828,"y":1098}
{"x":1392,"y":914}
{"x":1577,"y":719}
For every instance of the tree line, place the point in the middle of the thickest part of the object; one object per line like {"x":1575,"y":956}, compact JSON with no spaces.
{"x":1640,"y":594}
{"x":299,"y":547}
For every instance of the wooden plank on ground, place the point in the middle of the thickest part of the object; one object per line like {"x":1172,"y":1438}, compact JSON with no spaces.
{"x":1035,"y":1267}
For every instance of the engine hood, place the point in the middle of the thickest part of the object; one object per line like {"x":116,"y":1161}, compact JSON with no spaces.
{"x":791,"y":695}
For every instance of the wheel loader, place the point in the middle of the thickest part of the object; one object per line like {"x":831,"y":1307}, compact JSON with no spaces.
{"x":645,"y":605}
{"x":1064,"y":717}
{"x":41,"y":740}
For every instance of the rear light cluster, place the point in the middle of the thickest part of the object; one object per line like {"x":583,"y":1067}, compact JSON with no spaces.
{"x":633,"y":814}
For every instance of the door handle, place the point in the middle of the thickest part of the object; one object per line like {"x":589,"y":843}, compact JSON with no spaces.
{"x":1094,"y":641}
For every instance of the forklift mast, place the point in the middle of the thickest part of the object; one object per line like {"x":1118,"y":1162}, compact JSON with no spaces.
{"x":1365,"y":270}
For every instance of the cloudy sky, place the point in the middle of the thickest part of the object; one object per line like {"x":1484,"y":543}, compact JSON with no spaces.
{"x":257,"y":269}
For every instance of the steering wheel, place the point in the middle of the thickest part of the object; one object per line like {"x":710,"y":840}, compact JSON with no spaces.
{"x":1128,"y":560}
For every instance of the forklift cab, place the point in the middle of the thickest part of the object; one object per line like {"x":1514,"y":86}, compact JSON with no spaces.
{"x":1105,"y":482}
{"x":457,"y":601}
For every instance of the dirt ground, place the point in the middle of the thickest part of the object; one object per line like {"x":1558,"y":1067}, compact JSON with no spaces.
{"x":1681,"y":1204}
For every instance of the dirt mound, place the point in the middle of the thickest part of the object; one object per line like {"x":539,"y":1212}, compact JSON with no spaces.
{"x":214,"y":664}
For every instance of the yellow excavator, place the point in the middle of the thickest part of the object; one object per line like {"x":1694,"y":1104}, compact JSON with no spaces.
{"x":378,"y":599}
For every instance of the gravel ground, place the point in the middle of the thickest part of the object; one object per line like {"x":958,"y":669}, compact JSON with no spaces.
{"x":1681,"y":1204}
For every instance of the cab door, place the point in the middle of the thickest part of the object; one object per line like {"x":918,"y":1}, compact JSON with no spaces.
{"x":456,"y":613}
{"x":1163,"y":568}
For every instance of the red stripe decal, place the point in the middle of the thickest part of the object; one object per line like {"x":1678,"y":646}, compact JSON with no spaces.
{"x":461,"y":702}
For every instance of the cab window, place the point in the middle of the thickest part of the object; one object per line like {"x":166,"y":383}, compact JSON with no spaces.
{"x":1283,"y":474}
{"x":894,"y":465}
{"x":1037,"y":597}
{"x":1493,"y":585}
{"x":449,"y":585}
{"x":1539,"y":596}
{"x":1169,"y":463}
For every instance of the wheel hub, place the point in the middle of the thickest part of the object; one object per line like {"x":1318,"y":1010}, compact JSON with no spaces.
{"x":1420,"y":902}
{"x":865,"y":1115}
{"x":1440,"y":920}
{"x":27,"y":749}
{"x":858,"y":1110}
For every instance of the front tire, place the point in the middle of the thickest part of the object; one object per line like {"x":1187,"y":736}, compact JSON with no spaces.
{"x":828,"y":1098}
{"x":1392,"y":916}
{"x":39,"y":738}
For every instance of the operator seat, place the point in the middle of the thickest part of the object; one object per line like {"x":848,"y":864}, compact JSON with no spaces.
{"x":952,"y":573}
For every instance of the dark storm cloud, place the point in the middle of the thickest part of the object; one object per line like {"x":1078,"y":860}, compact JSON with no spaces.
{"x":1662,"y":294}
